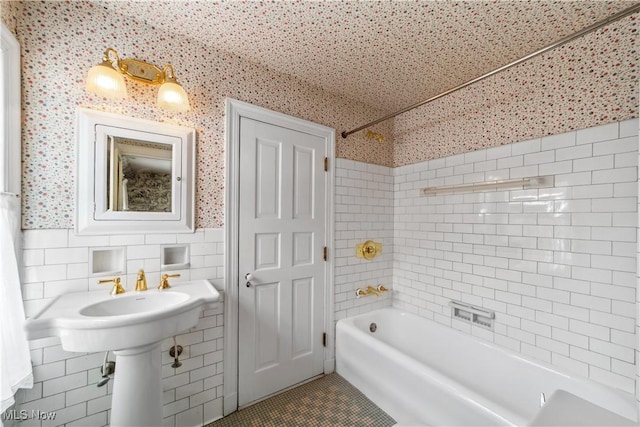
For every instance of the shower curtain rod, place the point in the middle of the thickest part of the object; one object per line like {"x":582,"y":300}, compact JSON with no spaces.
{"x":624,"y":13}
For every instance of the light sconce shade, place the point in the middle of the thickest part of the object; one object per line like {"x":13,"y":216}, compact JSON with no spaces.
{"x":104,"y":80}
{"x":107,"y":79}
{"x":172,"y":96}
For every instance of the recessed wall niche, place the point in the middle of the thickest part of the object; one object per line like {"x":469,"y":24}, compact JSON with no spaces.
{"x":107,"y":261}
{"x":174,"y":257}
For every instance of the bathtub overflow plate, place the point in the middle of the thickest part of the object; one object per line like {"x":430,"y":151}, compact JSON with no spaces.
{"x":373,"y":327}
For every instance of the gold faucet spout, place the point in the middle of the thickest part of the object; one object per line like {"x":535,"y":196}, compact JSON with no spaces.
{"x":141,"y":281}
{"x":372,"y":290}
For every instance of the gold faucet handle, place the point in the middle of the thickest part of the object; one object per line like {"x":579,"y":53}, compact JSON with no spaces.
{"x":164,"y":282}
{"x":368,"y":250}
{"x":117,"y":287}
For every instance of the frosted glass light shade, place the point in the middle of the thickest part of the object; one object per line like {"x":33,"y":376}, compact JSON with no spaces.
{"x":171,"y":96}
{"x":104,"y":80}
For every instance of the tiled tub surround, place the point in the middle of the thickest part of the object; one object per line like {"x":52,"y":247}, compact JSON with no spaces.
{"x":57,"y":261}
{"x":364,"y":211}
{"x":557,"y":265}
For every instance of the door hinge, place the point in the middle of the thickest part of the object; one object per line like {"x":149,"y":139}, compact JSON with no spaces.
{"x":325,"y":253}
{"x":324,"y":339}
{"x":326,"y":164}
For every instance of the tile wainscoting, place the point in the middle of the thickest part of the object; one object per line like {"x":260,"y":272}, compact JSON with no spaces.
{"x":57,"y":261}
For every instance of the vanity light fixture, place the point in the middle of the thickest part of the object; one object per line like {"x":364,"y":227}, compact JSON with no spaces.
{"x":107,"y":79}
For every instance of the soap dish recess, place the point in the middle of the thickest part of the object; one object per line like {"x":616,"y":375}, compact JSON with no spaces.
{"x":174,"y":257}
{"x":475,"y":315}
{"x":107,"y":261}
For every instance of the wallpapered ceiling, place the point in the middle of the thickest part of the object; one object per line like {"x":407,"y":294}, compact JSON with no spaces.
{"x":586,"y":83}
{"x":385,"y":53}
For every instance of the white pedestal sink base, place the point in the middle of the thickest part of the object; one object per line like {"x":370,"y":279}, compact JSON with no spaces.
{"x":135,"y":322}
{"x":137,"y":387}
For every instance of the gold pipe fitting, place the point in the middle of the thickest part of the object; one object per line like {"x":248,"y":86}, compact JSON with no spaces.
{"x":117,"y":287}
{"x":375,"y":135}
{"x":381,"y":288}
{"x":360,"y":293}
{"x":164,"y":282}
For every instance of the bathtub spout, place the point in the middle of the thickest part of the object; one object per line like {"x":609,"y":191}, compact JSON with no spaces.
{"x":372,"y":290}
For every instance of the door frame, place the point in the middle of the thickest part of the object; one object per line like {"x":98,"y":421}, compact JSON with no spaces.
{"x":234,"y":110}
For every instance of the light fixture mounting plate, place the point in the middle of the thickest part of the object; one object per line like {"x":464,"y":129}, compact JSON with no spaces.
{"x":142,"y":72}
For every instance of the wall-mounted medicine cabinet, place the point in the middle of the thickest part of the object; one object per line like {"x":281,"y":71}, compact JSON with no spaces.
{"x":134,"y":175}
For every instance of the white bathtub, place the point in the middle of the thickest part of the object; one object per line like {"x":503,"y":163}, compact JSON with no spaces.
{"x":423,"y":373}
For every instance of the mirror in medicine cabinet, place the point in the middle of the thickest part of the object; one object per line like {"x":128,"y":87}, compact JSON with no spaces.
{"x":134,"y":175}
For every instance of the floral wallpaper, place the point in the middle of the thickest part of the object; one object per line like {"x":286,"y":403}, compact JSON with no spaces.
{"x":588,"y":82}
{"x":70,"y":37}
{"x":8,"y":14}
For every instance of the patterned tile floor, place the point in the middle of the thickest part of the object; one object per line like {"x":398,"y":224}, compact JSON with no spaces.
{"x":329,"y":401}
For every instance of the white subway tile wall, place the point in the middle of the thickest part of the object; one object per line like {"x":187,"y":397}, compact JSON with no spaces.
{"x":364,"y":211}
{"x":56,"y":262}
{"x":628,"y":128}
{"x":558,"y":265}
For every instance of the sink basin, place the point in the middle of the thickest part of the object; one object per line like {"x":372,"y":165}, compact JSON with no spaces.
{"x":134,"y":304}
{"x":97,"y":321}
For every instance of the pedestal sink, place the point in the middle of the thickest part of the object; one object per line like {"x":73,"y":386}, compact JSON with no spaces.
{"x":132,"y":325}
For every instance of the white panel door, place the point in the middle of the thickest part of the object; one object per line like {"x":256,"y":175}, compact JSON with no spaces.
{"x":281,"y":241}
